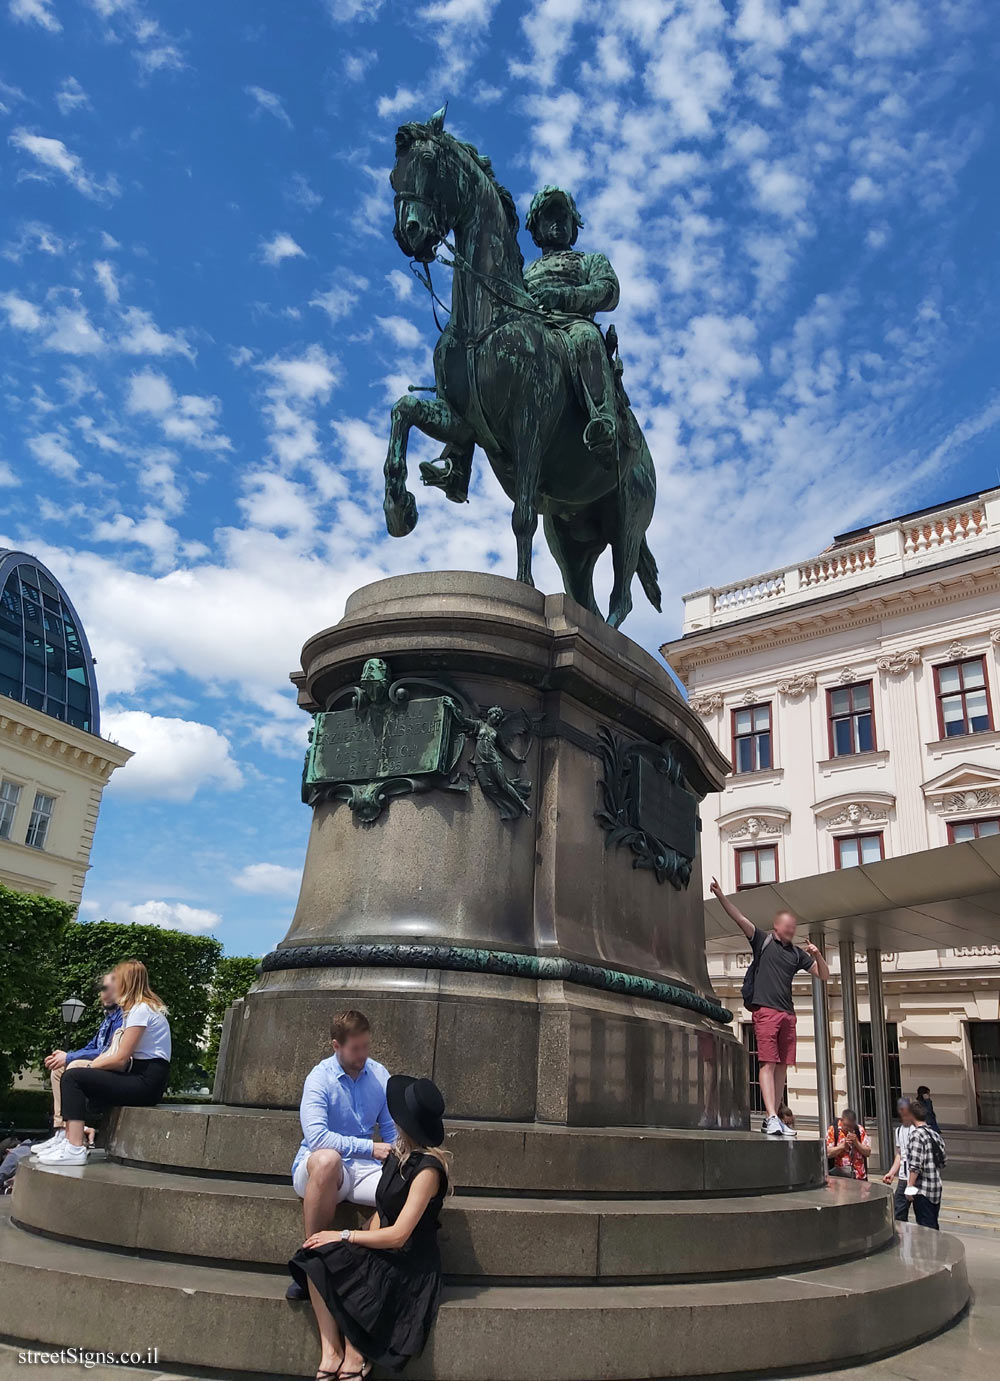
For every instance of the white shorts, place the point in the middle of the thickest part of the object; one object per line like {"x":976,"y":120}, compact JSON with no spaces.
{"x":360,"y":1181}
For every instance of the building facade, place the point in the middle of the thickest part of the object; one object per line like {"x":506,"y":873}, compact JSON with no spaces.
{"x":54,"y":765}
{"x":856,"y":694}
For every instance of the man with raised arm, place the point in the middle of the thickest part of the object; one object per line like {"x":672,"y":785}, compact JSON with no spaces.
{"x":767,"y":992}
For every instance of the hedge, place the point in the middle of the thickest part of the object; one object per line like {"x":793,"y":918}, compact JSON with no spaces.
{"x":180,"y":967}
{"x":32,"y":934}
{"x":234,"y":976}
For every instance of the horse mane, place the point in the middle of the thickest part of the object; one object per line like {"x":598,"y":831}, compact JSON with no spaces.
{"x":416,"y":131}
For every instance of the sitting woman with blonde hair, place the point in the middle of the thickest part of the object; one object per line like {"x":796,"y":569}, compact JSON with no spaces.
{"x":375,"y":1293}
{"x":133,"y":1073}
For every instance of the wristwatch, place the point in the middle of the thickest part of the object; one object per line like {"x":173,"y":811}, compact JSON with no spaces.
{"x":345,"y":1235}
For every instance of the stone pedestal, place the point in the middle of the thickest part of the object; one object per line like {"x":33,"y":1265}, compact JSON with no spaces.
{"x":546,"y":967}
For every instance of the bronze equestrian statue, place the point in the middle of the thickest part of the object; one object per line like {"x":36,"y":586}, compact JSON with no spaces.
{"x":522,"y":370}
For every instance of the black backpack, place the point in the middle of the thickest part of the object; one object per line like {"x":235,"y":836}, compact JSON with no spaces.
{"x":749,"y":978}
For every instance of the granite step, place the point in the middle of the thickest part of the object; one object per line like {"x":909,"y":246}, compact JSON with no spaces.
{"x":238,"y":1321}
{"x":527,"y":1238}
{"x":490,"y":1157}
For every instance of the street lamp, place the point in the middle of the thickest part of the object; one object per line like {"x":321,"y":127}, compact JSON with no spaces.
{"x":72,"y":1010}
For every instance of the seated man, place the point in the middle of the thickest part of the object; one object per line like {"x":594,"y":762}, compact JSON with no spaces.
{"x":57,"y":1062}
{"x":343,"y":1099}
{"x":848,"y":1147}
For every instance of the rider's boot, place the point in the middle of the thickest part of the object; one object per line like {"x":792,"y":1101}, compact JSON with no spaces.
{"x":451,"y":472}
{"x":600,"y":435}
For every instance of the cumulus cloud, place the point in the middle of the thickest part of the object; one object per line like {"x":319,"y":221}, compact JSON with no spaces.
{"x":35,"y":12}
{"x":268,"y":879}
{"x":173,"y":759}
{"x":279,"y":248}
{"x":52,"y":154}
{"x":168,"y":915}
{"x":71,"y":96}
{"x":51,"y":449}
{"x":188,"y":418}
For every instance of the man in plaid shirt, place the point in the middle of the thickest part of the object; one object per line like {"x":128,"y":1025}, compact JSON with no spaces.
{"x":926,"y":1157}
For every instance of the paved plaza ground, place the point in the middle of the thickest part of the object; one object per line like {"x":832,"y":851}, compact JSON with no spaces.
{"x":967,"y":1352}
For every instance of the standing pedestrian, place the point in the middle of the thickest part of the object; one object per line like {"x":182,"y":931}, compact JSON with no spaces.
{"x":924,"y":1094}
{"x":901,"y":1165}
{"x":927,"y":1160}
{"x":767,"y":993}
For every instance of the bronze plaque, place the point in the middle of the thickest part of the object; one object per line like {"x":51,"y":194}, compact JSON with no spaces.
{"x":666,"y":811}
{"x":395,"y":741}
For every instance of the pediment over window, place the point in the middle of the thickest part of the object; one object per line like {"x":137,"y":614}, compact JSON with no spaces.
{"x":751,"y":822}
{"x":968,"y":787}
{"x":854,"y":810}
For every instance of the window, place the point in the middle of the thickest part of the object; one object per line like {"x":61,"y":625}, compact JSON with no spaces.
{"x":44,"y":657}
{"x":852,"y":720}
{"x":868,"y":1067}
{"x":963,"y":698}
{"x":10,"y":794}
{"x":984,"y":1038}
{"x":852,"y":849}
{"x":756,"y":866}
{"x":961,"y":831}
{"x":752,"y":739}
{"x":41,"y":816}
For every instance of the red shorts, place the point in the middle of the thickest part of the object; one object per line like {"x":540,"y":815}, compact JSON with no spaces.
{"x":775,"y":1032}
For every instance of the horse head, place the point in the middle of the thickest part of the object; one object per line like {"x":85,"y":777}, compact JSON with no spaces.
{"x":427,"y":186}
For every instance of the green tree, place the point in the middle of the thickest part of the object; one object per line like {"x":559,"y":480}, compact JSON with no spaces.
{"x":234,"y":977}
{"x":181,"y":969}
{"x":31,"y":938}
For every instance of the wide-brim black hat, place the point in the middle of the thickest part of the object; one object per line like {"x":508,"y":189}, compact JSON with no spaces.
{"x":417,"y":1108}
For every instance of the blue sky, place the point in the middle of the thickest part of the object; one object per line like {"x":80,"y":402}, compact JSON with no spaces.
{"x":204,"y":320}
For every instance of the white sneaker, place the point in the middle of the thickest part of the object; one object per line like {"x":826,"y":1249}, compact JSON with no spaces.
{"x":48,"y":1145}
{"x":64,"y":1154}
{"x":774,"y":1126}
{"x":786,"y":1130}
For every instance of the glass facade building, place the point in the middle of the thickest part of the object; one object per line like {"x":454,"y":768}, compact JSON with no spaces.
{"x":45,"y":658}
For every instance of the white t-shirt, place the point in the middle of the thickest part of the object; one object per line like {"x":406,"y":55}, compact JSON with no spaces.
{"x":154,"y":1043}
{"x":903,"y":1149}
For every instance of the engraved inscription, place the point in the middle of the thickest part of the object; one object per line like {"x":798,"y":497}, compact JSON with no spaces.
{"x":665,"y":810}
{"x":410,"y":740}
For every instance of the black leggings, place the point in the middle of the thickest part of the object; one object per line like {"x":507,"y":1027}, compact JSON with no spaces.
{"x":141,"y":1087}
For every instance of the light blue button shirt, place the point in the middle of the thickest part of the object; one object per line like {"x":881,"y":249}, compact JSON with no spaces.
{"x":340,"y":1113}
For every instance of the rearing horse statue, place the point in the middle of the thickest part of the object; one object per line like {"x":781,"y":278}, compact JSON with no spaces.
{"x":504,"y":381}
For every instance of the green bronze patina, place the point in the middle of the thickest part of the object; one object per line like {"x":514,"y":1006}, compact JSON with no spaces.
{"x":649,"y":807}
{"x":522,"y":370}
{"x":513,"y":964}
{"x":394,"y":741}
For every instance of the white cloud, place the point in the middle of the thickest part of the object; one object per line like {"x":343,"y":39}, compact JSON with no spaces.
{"x":401,"y":332}
{"x":51,"y":450}
{"x":104,"y":272}
{"x":21,"y":314}
{"x":174,"y":758}
{"x":71,"y":332}
{"x":53,"y":153}
{"x":300,"y":193}
{"x":268,"y":879}
{"x":270,"y":102}
{"x":35,"y":12}
{"x":341,"y":299}
{"x":71,"y":96}
{"x":281,"y":247}
{"x":188,"y":418}
{"x":168,"y":915}
{"x":142,"y":336}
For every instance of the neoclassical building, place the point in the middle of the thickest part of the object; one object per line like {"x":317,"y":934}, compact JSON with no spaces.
{"x":856,"y":694}
{"x":54,"y":765}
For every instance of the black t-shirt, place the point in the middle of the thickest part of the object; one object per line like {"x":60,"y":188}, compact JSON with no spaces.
{"x":777,"y":965}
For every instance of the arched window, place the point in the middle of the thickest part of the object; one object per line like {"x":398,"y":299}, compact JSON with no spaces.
{"x":45,"y":658}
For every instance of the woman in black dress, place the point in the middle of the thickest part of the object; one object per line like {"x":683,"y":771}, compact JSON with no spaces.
{"x":375,"y":1293}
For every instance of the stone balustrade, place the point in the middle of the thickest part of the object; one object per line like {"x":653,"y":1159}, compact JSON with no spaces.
{"x":876,"y":553}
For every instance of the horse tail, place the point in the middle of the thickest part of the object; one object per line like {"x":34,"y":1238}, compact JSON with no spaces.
{"x":646,"y":571}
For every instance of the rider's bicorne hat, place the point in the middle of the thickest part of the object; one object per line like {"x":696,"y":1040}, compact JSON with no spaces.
{"x":541,"y":199}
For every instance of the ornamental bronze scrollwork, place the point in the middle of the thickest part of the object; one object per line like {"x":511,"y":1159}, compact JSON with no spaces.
{"x":648,"y":807}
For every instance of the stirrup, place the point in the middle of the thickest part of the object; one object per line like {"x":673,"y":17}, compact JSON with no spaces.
{"x":599,"y":433}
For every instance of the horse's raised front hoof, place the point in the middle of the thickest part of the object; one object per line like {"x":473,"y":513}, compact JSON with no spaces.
{"x":401,"y":518}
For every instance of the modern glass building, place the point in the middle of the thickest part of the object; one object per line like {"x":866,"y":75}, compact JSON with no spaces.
{"x":45,"y":658}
